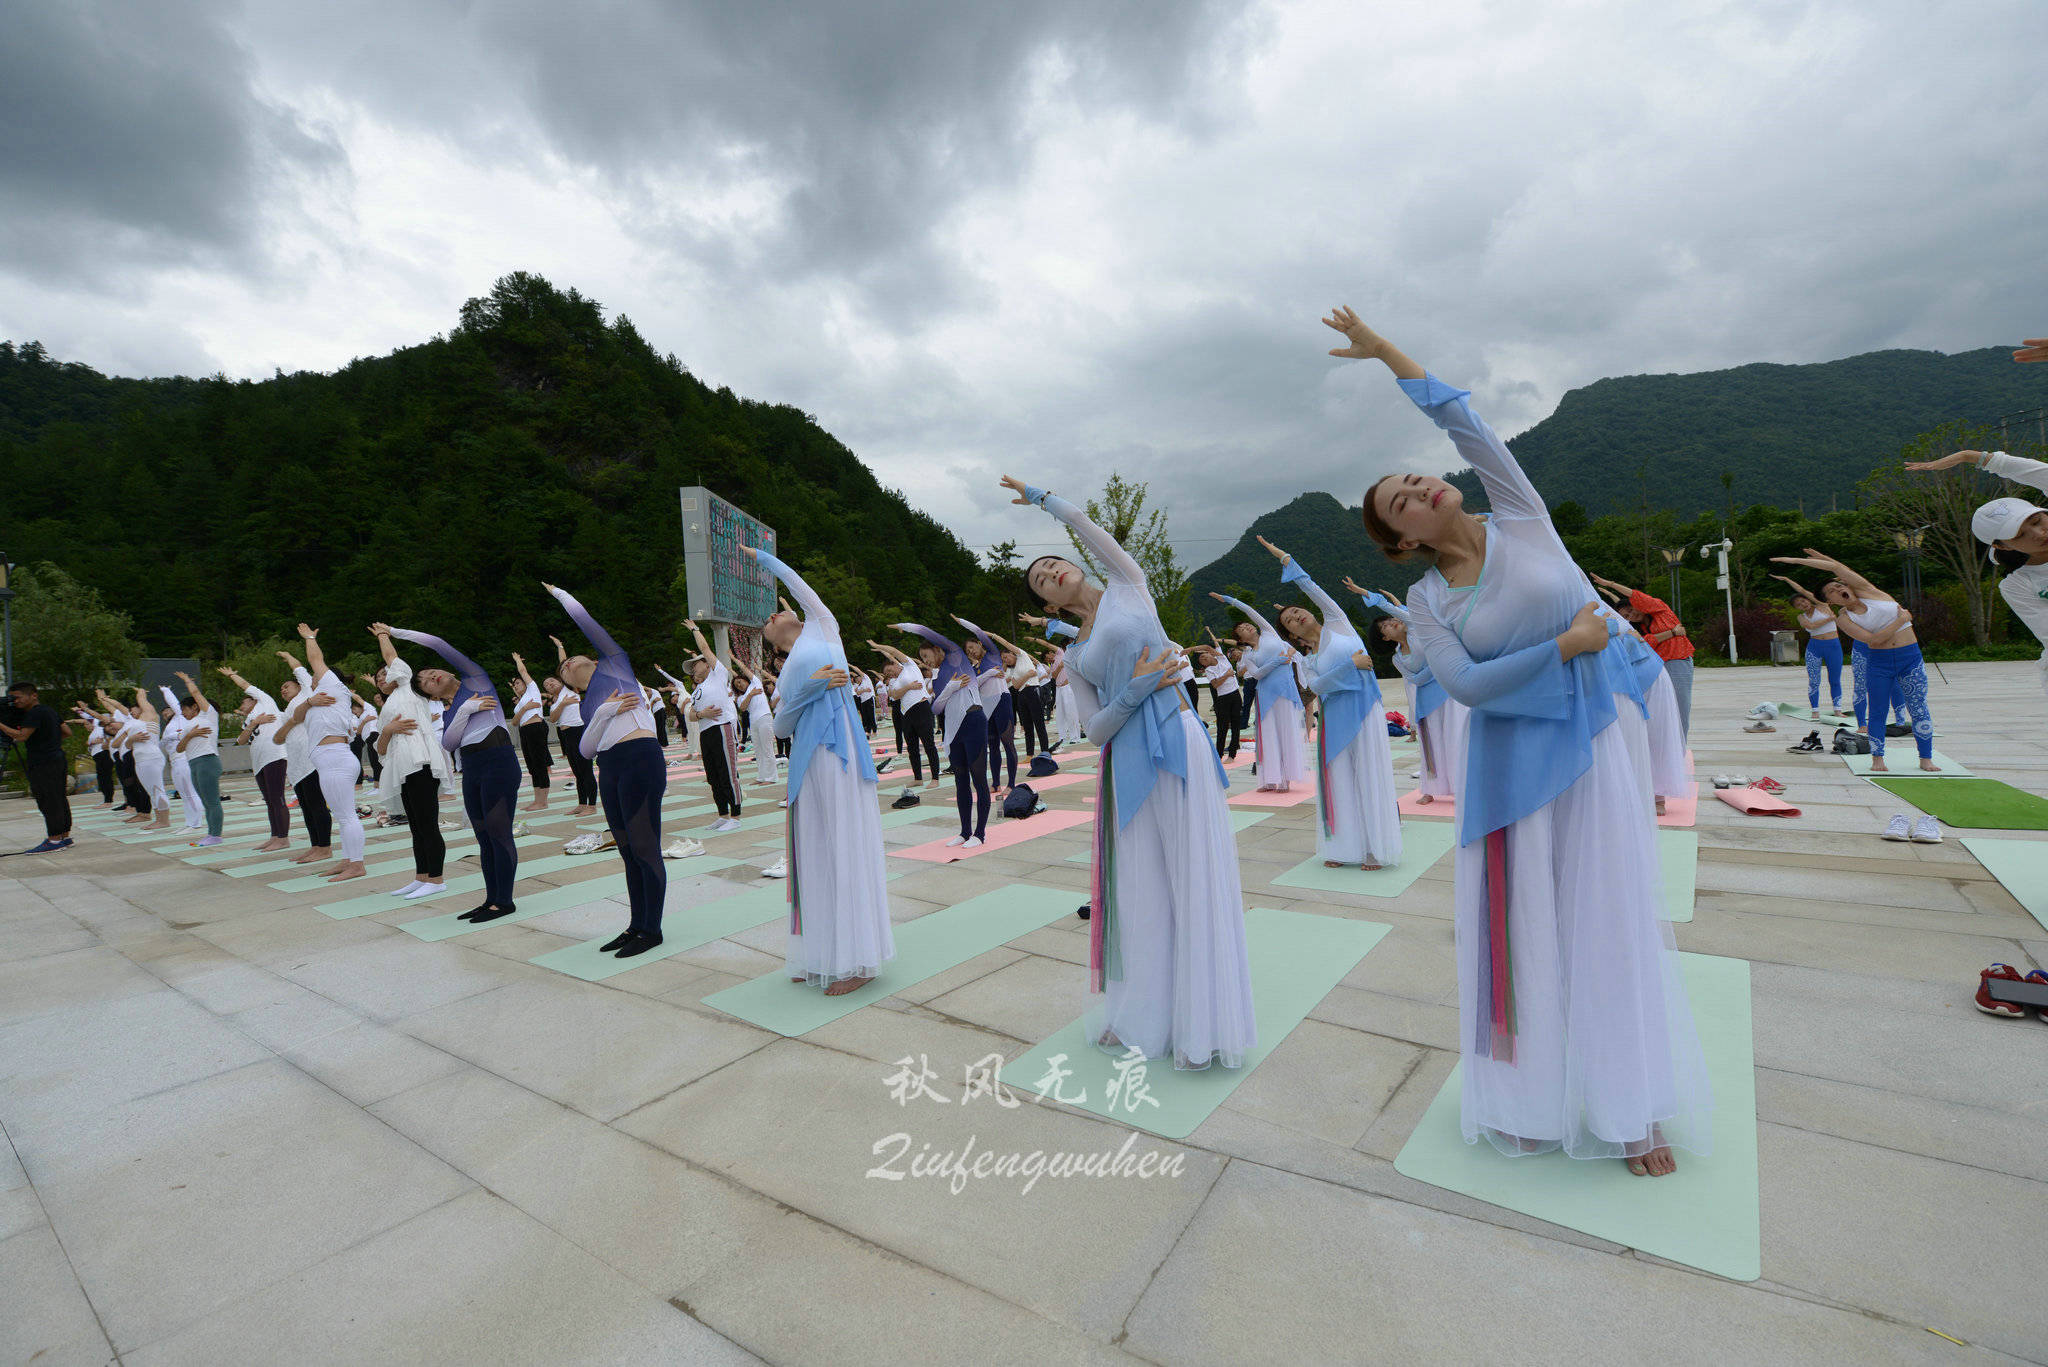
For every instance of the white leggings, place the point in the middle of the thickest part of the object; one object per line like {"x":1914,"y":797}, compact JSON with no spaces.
{"x":338,"y":768}
{"x":149,"y":772}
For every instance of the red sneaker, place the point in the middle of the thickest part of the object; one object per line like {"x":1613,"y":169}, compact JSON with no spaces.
{"x":1768,"y":784}
{"x":1989,"y":1005}
{"x":2037,"y":976}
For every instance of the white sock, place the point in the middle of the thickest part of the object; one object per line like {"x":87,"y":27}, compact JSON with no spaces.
{"x":424,"y":890}
{"x":400,"y":892}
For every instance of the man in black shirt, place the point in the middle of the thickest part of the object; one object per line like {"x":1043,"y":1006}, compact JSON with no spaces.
{"x":41,"y":735}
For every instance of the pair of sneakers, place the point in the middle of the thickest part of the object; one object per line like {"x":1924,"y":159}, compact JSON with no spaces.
{"x":1924,"y":830}
{"x":1992,"y":1006}
{"x":682,"y":847}
{"x":725,"y":823}
{"x":591,"y":843}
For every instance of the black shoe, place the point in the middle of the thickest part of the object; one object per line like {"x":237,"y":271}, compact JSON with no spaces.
{"x":1810,"y":746}
{"x":1054,"y":748}
{"x":617,"y":940}
{"x":638,"y":944}
{"x":483,"y":914}
{"x":1082,"y":911}
{"x":474,"y":912}
{"x":883,"y":767}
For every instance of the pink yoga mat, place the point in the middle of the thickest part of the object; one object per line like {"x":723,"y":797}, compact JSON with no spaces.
{"x":1756,"y":802}
{"x":1298,"y":794}
{"x":1052,"y":781}
{"x":1680,"y":812}
{"x":1001,"y":835}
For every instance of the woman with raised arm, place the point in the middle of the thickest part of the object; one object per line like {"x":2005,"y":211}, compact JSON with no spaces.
{"x":473,"y":729}
{"x":760,"y":721}
{"x":839,"y":934}
{"x":963,"y":725}
{"x":322,"y":714}
{"x":145,"y":748}
{"x":299,"y":775}
{"x":199,"y":748}
{"x":715,"y":716}
{"x":1891,"y":654}
{"x":1823,"y":644}
{"x":632,"y":773}
{"x":415,"y":768}
{"x":2013,"y":530}
{"x":1358,"y":821}
{"x":1633,"y":659}
{"x":565,"y":710}
{"x":913,"y":700}
{"x":1280,"y":742}
{"x":530,"y":715}
{"x":1439,"y":719}
{"x":1066,"y":715}
{"x":1166,"y":937}
{"x":1576,"y":1030}
{"x":993,"y":682}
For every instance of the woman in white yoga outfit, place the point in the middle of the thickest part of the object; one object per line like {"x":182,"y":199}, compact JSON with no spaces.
{"x":1357,"y":821}
{"x":839,"y":935}
{"x":323,"y":714}
{"x":145,"y":748}
{"x":299,"y":775}
{"x":565,"y":710}
{"x":415,"y":769}
{"x":173,"y":718}
{"x":1438,"y":718}
{"x":715,"y":716}
{"x":530,"y":720}
{"x":2016,"y":534}
{"x":760,"y":722}
{"x":1280,"y":742}
{"x":1576,"y":1031}
{"x":1166,"y":937}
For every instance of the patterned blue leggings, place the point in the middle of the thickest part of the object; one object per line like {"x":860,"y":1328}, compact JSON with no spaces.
{"x":1824,"y":650}
{"x":1898,"y":675}
{"x":1859,"y":670}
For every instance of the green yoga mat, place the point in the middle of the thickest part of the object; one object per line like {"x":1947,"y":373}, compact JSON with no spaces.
{"x":1296,"y":958}
{"x":1903,"y":761}
{"x":1678,"y":853}
{"x":377,"y":868}
{"x":1422,"y":844}
{"x":370,"y":903}
{"x":437,"y":928}
{"x":2020,"y":865}
{"x":931,"y":944}
{"x":283,"y":860}
{"x":1239,"y":820}
{"x":1705,"y":1215}
{"x":681,"y":928}
{"x":1979,"y":803}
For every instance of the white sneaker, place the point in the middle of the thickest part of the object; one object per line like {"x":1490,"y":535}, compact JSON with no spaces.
{"x":972,"y":842}
{"x":682,"y":847}
{"x":1897,"y":828}
{"x":425,"y":890}
{"x":784,"y":802}
{"x":401,"y":892}
{"x":955,"y":841}
{"x":1723,"y":781}
{"x":1764,"y":711}
{"x":1926,"y":831}
{"x":584,"y":844}
{"x":726,"y":823}
{"x":521,"y":828}
{"x":779,"y":869}
{"x":1759,"y":727}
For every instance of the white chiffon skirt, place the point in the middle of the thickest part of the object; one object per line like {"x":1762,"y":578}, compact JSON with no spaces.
{"x":1186,"y":985}
{"x":836,"y":872}
{"x":1442,"y":737}
{"x":1282,"y":743}
{"x":1670,"y":775}
{"x":1360,"y":824}
{"x":1607,"y":1059}
{"x":1066,"y":715}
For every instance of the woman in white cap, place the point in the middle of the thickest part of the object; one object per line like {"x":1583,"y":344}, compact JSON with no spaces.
{"x":2017,"y":533}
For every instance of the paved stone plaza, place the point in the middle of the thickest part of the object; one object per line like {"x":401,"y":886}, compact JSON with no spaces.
{"x":243,"y":1132}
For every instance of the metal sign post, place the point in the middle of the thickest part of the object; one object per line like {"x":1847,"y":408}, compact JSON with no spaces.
{"x":1722,"y":547}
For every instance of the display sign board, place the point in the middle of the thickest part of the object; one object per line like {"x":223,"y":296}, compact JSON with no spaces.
{"x":725,"y":583}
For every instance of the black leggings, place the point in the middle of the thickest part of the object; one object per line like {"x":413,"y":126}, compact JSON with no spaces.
{"x":490,"y":790}
{"x":313,"y":811}
{"x":725,"y":790}
{"x":965,"y":752}
{"x":533,"y":743}
{"x":1031,"y":706}
{"x":420,"y":795}
{"x":917,"y":724}
{"x":1002,"y":740}
{"x":133,"y":796}
{"x":1228,"y":723}
{"x":572,"y":751}
{"x":631,"y":778}
{"x":867,"y":714}
{"x":896,"y":720}
{"x":103,"y":770}
{"x":270,"y":783}
{"x":661,"y":729}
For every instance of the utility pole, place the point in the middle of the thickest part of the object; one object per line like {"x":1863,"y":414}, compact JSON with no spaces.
{"x":1722,"y":547}
{"x":6,"y":619}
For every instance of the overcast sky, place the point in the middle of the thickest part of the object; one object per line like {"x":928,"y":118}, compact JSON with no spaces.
{"x":1055,"y":239}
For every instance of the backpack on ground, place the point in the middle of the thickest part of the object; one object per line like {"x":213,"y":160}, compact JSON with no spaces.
{"x":1022,"y":802}
{"x":1848,"y":742}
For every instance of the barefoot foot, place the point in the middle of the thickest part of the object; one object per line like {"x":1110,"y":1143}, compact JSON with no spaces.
{"x":347,"y":870}
{"x":846,"y":985}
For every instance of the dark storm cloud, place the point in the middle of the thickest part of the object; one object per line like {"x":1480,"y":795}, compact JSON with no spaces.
{"x":129,"y":134}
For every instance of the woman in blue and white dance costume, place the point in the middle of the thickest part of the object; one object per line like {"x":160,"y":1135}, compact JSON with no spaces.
{"x":1438,"y":718}
{"x":839,"y":935}
{"x":1575,"y":1028}
{"x":1166,"y":939}
{"x":1280,"y":742}
{"x":1358,"y":822}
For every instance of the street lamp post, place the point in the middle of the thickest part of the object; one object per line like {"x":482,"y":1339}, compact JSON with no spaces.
{"x":1721,"y":549}
{"x":1674,"y":556}
{"x":6,"y":619}
{"x":1909,"y":551}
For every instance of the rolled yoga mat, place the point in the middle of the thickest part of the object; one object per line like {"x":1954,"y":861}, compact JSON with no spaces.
{"x":1705,"y":1215}
{"x":1296,"y":958}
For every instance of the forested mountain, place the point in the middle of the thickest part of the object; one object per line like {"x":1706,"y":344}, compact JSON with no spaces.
{"x":437,"y":487}
{"x":1330,"y":541}
{"x":1789,"y":434}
